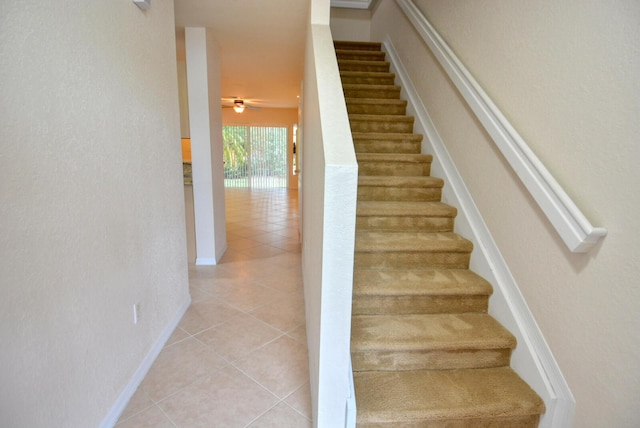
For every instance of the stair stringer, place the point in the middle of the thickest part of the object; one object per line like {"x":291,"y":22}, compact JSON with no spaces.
{"x":532,"y":359}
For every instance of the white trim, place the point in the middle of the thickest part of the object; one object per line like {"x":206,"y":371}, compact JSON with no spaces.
{"x":121,"y":403}
{"x":205,"y":261}
{"x":570,"y":223}
{"x":532,"y":359}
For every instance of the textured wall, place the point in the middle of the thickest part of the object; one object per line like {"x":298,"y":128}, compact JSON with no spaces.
{"x":565,"y":75}
{"x":91,"y":203}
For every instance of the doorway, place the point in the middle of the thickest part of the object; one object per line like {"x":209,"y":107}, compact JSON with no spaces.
{"x":255,"y":156}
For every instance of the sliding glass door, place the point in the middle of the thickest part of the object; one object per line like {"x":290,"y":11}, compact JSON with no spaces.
{"x":255,"y":156}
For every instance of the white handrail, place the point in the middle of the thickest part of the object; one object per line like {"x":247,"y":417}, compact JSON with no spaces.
{"x":570,"y":223}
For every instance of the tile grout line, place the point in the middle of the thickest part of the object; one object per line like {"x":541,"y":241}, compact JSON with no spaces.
{"x":274,"y":215}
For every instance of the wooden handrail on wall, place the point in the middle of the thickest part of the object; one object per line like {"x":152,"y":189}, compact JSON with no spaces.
{"x":568,"y":220}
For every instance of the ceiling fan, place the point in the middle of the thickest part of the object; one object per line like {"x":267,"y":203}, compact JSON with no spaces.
{"x":237,"y":104}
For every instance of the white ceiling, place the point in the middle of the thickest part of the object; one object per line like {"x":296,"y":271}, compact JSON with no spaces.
{"x":261,"y":45}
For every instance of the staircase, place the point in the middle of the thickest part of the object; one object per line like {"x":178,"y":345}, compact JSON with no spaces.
{"x":425,"y":352}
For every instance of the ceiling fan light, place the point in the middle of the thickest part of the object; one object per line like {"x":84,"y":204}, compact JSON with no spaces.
{"x":238,"y":106}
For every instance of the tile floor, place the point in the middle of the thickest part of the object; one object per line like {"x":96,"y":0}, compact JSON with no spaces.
{"x":239,"y":356}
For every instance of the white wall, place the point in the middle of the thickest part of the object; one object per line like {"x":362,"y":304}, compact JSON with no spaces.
{"x":329,"y":187}
{"x":565,"y":75}
{"x":184,"y":98}
{"x":205,"y":127}
{"x":91,"y":204}
{"x":312,"y":217}
{"x":183,"y":92}
{"x":189,"y":211}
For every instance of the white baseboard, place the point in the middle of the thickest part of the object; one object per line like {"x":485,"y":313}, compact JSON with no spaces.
{"x":532,"y":359}
{"x":121,"y":403}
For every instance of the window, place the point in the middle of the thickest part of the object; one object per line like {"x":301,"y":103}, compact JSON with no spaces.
{"x":255,"y":156}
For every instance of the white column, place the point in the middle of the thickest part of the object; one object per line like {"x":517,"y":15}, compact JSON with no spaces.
{"x":205,"y":123}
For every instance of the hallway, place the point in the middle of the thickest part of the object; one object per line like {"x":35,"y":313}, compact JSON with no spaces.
{"x":239,"y":356}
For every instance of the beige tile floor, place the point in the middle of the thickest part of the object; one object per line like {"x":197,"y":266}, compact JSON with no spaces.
{"x":239,"y":355}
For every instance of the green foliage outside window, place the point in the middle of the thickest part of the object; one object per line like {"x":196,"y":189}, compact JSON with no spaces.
{"x":255,"y":156}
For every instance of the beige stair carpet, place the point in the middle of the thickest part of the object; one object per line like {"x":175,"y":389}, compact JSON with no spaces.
{"x":425,"y":352}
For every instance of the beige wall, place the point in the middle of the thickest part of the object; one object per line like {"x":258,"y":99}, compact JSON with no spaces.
{"x":91,"y":204}
{"x":566,"y":75}
{"x":286,"y":117}
{"x":350,"y":24}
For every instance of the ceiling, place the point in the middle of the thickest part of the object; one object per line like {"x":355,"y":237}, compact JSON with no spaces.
{"x":261,"y":44}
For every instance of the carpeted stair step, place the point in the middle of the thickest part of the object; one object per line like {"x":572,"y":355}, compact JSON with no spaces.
{"x":418,"y":291}
{"x":398,"y":188}
{"x":411,"y":250}
{"x":359,"y":65}
{"x":467,"y":398}
{"x":358,"y":54}
{"x":387,"y":106}
{"x":429,"y":342}
{"x":405,"y":216}
{"x":381,"y":123}
{"x":393,"y":164}
{"x":367,"y":78}
{"x":371,"y":91}
{"x":359,"y":46}
{"x":384,"y":142}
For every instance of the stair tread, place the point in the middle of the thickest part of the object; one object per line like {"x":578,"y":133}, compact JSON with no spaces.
{"x":386,"y":142}
{"x":381,"y":242}
{"x":370,"y":77}
{"x":438,"y":395}
{"x":361,"y":62}
{"x":355,"y":50}
{"x":376,"y":101}
{"x":363,"y":52}
{"x":405,"y":208}
{"x":407,"y":282}
{"x":370,"y":86}
{"x":355,"y":73}
{"x":386,"y":136}
{"x":381,"y":118}
{"x":394,"y":157}
{"x":429,"y":332}
{"x":345,"y":44}
{"x":399,"y":181}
